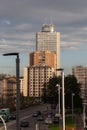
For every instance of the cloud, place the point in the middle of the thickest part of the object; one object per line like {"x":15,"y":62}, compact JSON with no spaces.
{"x":70,"y":46}
{"x":4,"y":22}
{"x":20,"y":20}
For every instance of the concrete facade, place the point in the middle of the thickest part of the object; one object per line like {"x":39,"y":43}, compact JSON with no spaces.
{"x":80,"y":73}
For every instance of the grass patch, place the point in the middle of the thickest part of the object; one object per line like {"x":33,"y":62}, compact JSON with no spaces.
{"x":69,"y":122}
{"x":54,"y":127}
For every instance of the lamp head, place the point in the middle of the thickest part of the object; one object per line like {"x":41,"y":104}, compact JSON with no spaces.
{"x":10,"y":54}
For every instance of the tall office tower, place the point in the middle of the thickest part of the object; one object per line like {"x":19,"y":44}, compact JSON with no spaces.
{"x":49,"y":40}
{"x":43,"y":58}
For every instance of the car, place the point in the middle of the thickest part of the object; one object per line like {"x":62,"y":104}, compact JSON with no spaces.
{"x":4,"y":117}
{"x":48,"y":120}
{"x":57,"y":115}
{"x":24,"y":123}
{"x":12,"y":117}
{"x":36,"y":113}
{"x":56,"y":120}
{"x":40,"y":118}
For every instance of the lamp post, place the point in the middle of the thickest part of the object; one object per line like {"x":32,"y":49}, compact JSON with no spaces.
{"x":63,"y":101}
{"x":84,"y":116}
{"x":58,"y":85}
{"x":17,"y":88}
{"x":72,"y":104}
{"x":3,"y":122}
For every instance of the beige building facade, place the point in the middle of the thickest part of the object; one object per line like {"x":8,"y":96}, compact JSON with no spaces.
{"x":26,"y":82}
{"x":8,"y":90}
{"x":38,"y":75}
{"x":80,"y":73}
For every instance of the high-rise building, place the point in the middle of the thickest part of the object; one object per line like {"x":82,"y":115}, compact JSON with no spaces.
{"x":43,"y":62}
{"x":38,"y":75}
{"x":42,"y":67}
{"x":80,"y":73}
{"x":34,"y":78}
{"x":43,"y":58}
{"x":8,"y":90}
{"x":49,"y":40}
{"x":26,"y":83}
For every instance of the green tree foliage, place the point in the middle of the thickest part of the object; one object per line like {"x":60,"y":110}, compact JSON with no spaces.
{"x":72,"y":87}
{"x":51,"y":90}
{"x":50,"y":93}
{"x":45,"y":95}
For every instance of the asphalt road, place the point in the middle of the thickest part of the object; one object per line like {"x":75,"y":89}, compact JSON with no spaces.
{"x":27,"y":115}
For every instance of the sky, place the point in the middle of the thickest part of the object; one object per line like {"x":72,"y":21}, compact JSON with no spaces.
{"x":21,"y":19}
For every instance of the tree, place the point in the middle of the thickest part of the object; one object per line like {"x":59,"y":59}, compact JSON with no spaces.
{"x":71,"y":86}
{"x":44,"y":93}
{"x":51,"y":90}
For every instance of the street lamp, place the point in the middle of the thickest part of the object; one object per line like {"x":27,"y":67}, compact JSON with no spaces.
{"x":58,"y":85}
{"x":17,"y":88}
{"x":3,"y":122}
{"x":73,"y":94}
{"x":63,"y":101}
{"x":84,"y":115}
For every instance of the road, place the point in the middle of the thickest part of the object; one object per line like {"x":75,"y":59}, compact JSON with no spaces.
{"x":27,"y":114}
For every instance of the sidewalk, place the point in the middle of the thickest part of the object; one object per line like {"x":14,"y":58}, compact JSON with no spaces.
{"x":79,"y":122}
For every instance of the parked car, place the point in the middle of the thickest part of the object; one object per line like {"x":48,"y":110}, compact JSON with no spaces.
{"x":48,"y":120}
{"x":24,"y":123}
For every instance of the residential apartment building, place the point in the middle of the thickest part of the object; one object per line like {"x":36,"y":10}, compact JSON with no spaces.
{"x":26,"y":82}
{"x":8,"y":90}
{"x":38,"y":75}
{"x":43,"y":58}
{"x":21,"y":85}
{"x":42,"y":67}
{"x":80,"y":73}
{"x":49,"y":40}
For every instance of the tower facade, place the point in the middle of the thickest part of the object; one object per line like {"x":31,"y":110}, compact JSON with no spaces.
{"x":49,"y":40}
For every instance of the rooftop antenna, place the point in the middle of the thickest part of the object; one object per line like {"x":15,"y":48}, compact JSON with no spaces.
{"x":51,"y":20}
